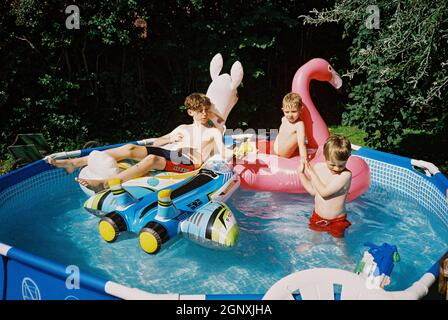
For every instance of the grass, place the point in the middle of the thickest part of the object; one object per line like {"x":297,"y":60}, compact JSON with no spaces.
{"x":355,"y":135}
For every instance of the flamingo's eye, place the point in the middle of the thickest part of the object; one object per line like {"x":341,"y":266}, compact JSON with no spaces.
{"x":329,"y":68}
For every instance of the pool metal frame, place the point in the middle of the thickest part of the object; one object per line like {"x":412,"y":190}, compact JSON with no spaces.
{"x":24,"y":275}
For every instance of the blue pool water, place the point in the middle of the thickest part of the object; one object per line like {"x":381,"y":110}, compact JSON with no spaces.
{"x":274,"y":241}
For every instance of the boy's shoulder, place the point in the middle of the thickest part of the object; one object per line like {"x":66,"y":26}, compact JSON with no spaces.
{"x":283,"y":122}
{"x":345,"y":175}
{"x":320,"y":165}
{"x":295,"y":124}
{"x":347,"y":172}
{"x":182,"y":127}
{"x":213,"y":130}
{"x":299,"y":123}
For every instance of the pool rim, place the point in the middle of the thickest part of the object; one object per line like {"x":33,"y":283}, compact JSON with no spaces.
{"x":113,"y":290}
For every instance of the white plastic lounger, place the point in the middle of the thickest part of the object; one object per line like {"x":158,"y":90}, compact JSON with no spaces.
{"x":319,"y":283}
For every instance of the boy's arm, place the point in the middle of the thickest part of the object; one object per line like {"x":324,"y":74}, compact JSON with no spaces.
{"x":306,"y":183}
{"x":301,"y":141}
{"x":172,"y":137}
{"x":334,"y":186}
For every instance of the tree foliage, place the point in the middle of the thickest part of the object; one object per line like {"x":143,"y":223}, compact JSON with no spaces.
{"x":398,"y":73}
{"x":125,"y":73}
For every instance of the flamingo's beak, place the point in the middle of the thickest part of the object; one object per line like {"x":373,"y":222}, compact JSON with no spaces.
{"x":336,"y":80}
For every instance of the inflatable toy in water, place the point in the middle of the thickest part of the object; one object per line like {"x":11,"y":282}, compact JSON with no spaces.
{"x":193,"y":207}
{"x":377,"y":264}
{"x":266,"y":171}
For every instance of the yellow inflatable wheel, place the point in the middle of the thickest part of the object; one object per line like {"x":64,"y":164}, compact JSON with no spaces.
{"x":150,"y":240}
{"x":152,"y":236}
{"x":110,"y":226}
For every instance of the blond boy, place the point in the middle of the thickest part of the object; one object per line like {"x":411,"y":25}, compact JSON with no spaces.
{"x":195,"y":143}
{"x":291,"y":136}
{"x":329,"y":183}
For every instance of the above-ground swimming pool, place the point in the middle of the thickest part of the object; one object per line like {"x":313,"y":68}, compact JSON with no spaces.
{"x":41,"y":213}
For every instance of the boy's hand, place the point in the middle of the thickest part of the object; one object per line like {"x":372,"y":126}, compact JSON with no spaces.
{"x":308,"y":167}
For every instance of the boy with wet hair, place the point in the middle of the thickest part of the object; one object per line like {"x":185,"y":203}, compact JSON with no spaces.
{"x":195,"y":144}
{"x":291,"y":136}
{"x":329,"y":183}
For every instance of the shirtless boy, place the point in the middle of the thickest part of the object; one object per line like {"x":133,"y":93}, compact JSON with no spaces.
{"x":329,"y":183}
{"x":291,"y":136}
{"x":196,"y":142}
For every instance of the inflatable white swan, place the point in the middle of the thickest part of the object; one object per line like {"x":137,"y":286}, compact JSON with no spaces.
{"x":222,"y":92}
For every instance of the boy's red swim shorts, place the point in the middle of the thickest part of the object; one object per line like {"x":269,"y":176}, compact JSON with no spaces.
{"x":335,"y":227}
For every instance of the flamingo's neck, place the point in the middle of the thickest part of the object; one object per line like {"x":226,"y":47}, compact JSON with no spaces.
{"x":315,"y":127}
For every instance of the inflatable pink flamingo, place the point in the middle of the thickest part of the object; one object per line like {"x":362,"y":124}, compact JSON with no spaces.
{"x":269,"y":172}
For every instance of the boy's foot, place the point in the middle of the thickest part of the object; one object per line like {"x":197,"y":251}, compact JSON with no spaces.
{"x":95,"y":185}
{"x":67,"y":165}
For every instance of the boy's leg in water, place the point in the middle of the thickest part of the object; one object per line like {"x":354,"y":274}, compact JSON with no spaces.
{"x":316,"y":238}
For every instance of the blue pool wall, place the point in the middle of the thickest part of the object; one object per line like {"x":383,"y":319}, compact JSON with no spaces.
{"x":34,"y":278}
{"x":24,"y":275}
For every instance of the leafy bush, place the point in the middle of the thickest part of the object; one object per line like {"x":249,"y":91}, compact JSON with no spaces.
{"x":398,"y":72}
{"x":125,"y":73}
